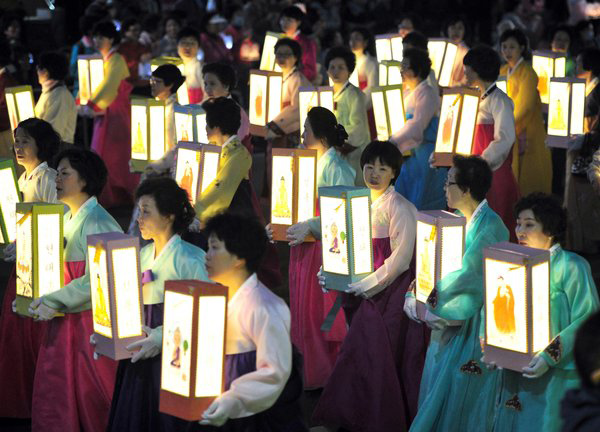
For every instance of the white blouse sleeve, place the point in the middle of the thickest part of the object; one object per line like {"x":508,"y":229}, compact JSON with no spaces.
{"x":372,"y":72}
{"x":504,"y":133}
{"x":46,"y":188}
{"x":288,"y":118}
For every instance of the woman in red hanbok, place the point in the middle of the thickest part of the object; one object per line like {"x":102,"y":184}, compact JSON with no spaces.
{"x":291,"y":22}
{"x":366,"y":73}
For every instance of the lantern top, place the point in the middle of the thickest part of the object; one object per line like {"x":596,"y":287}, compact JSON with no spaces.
{"x":266,"y":73}
{"x":432,"y":216}
{"x":390,"y":87}
{"x":93,"y":239}
{"x":19,"y":89}
{"x":189,"y":109}
{"x":570,"y":80}
{"x":548,"y":54}
{"x":517,"y":253}
{"x":470,"y":91}
{"x":339,"y":190}
{"x":90,"y":57}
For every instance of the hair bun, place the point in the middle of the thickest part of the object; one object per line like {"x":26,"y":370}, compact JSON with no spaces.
{"x":341,"y":133}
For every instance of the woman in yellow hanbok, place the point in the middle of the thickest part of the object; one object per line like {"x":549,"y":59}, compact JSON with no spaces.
{"x":533,"y":167}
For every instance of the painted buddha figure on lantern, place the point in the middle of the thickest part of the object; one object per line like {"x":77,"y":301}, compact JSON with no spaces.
{"x":281,"y":207}
{"x":558,"y":117}
{"x":187,"y":179}
{"x":100,"y":312}
{"x":138,"y":142}
{"x":504,"y":308}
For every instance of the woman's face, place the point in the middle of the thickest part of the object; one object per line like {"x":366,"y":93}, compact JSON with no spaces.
{"x":213,"y":87}
{"x":159,"y":90}
{"x":561,"y":42}
{"x":338,"y":71}
{"x":454,"y":195}
{"x":406,"y":26}
{"x":43,"y":75}
{"x":289,"y":25}
{"x":511,"y":50}
{"x":102,"y":43}
{"x":285,"y":58}
{"x":68,"y":182}
{"x":152,"y":223}
{"x":377,"y":175}
{"x":530,"y":231}
{"x":357,"y":43}
{"x":219,"y":261}
{"x":133,"y":32}
{"x":188,"y":47}
{"x":172,"y":28}
{"x":308,"y":137}
{"x":456,"y":32}
{"x":13,"y":31}
{"x":26,"y":150}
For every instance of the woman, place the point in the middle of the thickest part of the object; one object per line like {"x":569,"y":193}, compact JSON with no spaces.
{"x":133,"y":51}
{"x":165,"y":213}
{"x":6,"y":80}
{"x":455,"y":29}
{"x":167,"y":46}
{"x":538,"y":390}
{"x":349,"y":104}
{"x":71,"y":390}
{"x":56,"y":105}
{"x":456,"y":389}
{"x":308,"y":305}
{"x":188,"y":45}
{"x":588,"y":68}
{"x":36,"y":143}
{"x":494,"y":130}
{"x":111,"y":109}
{"x":418,"y":182}
{"x":292,"y":24}
{"x":534,"y":168}
{"x":213,"y":45}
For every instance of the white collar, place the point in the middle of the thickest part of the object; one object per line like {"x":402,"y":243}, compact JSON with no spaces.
{"x":294,"y":69}
{"x":91,"y":202}
{"x":40,"y":167}
{"x":511,"y":71}
{"x":554,"y":249}
{"x":229,"y":140}
{"x":167,"y":246}
{"x":249,"y":283}
{"x":384,"y":195}
{"x":338,"y":94}
{"x":591,"y":86}
{"x":477,"y":211}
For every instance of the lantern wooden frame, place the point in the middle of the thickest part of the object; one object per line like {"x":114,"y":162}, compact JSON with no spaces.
{"x":575,"y":111}
{"x":265,"y":99}
{"x":148,"y":137}
{"x":311,"y":97}
{"x":204,"y":170}
{"x":90,"y":73}
{"x":548,"y":64}
{"x":20,"y":104}
{"x":388,"y":47}
{"x":9,"y":197}
{"x":388,"y":110}
{"x":190,"y":123}
{"x":390,"y":73}
{"x":267,"y":56}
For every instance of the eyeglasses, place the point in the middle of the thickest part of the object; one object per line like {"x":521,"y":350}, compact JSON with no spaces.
{"x":156,"y":81}
{"x":449,"y":183}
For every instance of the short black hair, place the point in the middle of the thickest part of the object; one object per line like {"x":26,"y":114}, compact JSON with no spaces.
{"x":244,"y":236}
{"x":129,"y":22}
{"x":171,"y":75}
{"x":55,"y":63}
{"x":485,"y":61}
{"x":520,"y":37}
{"x":108,"y":30}
{"x":172,"y":16}
{"x":86,"y":24}
{"x":416,"y":39}
{"x":563,"y":28}
{"x":224,"y":73}
{"x":419,"y":62}
{"x":89,"y":166}
{"x":344,"y":53}
{"x":293,"y":12}
{"x":473,"y":174}
{"x":368,"y":38}
{"x":590,"y":60}
{"x":170,"y":200}
{"x":188,"y":32}
{"x":548,"y":211}
{"x":47,"y":140}
{"x":325,"y":126}
{"x":587,"y":350}
{"x":387,"y":153}
{"x":223,"y":113}
{"x":293,"y":45}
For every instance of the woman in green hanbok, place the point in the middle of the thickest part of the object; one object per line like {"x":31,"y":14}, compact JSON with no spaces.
{"x":455,"y":384}
{"x":531,"y":401}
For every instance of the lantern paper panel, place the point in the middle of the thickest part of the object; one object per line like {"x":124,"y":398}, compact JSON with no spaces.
{"x":20,"y":104}
{"x":447,"y":64}
{"x":265,"y":99}
{"x":190,"y":123}
{"x":116,"y":292}
{"x":182,"y":92}
{"x":193,"y":351}
{"x":39,"y":260}
{"x":148,"y":132}
{"x":441,"y":57}
{"x":9,"y":197}
{"x":388,"y":110}
{"x":390,"y":73}
{"x":346,"y":235}
{"x":457,"y":124}
{"x":267,"y":58}
{"x":566,"y":110}
{"x":501,"y":84}
{"x":310,"y":97}
{"x":440,"y":247}
{"x":517,"y":304}
{"x":293,"y":189}
{"x":388,"y":47}
{"x":548,"y":64}
{"x":90,"y":72}
{"x":196,"y":167}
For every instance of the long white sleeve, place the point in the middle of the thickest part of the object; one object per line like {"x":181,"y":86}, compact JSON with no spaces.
{"x":371,"y":72}
{"x":288,"y":118}
{"x":501,"y":109}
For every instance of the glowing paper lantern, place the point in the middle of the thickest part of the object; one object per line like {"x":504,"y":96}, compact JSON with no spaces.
{"x":193,"y":351}
{"x":548,"y":64}
{"x":442,"y":53}
{"x":39,"y":259}
{"x":148,"y":132}
{"x":182,"y":92}
{"x":388,"y":110}
{"x":457,"y":124}
{"x":566,"y":110}
{"x":310,"y":97}
{"x":390,"y":72}
{"x":90,"y":72}
{"x":346,"y":235}
{"x":517,"y":304}
{"x":265,"y":99}
{"x":114,"y":268}
{"x":501,"y":84}
{"x":267,"y":58}
{"x":19,"y":101}
{"x":293,"y":189}
{"x":388,"y":47}
{"x":190,"y":123}
{"x":440,"y":246}
{"x":196,"y":167}
{"x":9,"y":197}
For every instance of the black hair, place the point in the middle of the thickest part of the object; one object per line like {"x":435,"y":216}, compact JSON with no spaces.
{"x":224,"y":73}
{"x":188,"y":32}
{"x":485,"y":61}
{"x":55,"y":63}
{"x":521,"y":39}
{"x":548,"y":211}
{"x":223,"y":113}
{"x":172,"y":16}
{"x":170,"y":199}
{"x":293,"y":45}
{"x":454,"y":19}
{"x":416,"y":40}
{"x":563,"y":28}
{"x":89,"y":166}
{"x":590,"y":60}
{"x":108,"y":30}
{"x":325,"y":126}
{"x":171,"y":75}
{"x":413,"y":18}
{"x":293,"y":12}
{"x":47,"y":140}
{"x":387,"y":153}
{"x":368,"y":38}
{"x":419,"y":62}
{"x":129,"y":22}
{"x":151,"y":22}
{"x":586,"y":351}
{"x":244,"y":237}
{"x":472,"y":174}
{"x":8,"y":18}
{"x":345,"y":54}
{"x":86,"y":24}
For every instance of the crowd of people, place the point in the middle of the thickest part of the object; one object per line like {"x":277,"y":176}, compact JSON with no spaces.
{"x":386,"y":361}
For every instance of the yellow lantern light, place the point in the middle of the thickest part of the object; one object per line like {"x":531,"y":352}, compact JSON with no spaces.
{"x":442,"y":53}
{"x":346,"y":235}
{"x":182,"y":92}
{"x":501,"y":83}
{"x":457,"y":124}
{"x":517,"y":304}
{"x":39,"y":252}
{"x":190,"y":123}
{"x":148,"y":131}
{"x":19,"y":101}
{"x":196,"y":167}
{"x":310,"y":97}
{"x":440,"y":246}
{"x":9,"y":197}
{"x":388,"y":110}
{"x":293,"y":189}
{"x":90,"y":73}
{"x":548,"y":64}
{"x":566,"y":110}
{"x":117,"y":307}
{"x":388,"y":47}
{"x":267,"y":58}
{"x":265,"y":99}
{"x":193,"y":351}
{"x":390,"y":73}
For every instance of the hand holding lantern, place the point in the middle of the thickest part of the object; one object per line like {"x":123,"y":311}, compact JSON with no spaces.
{"x":40,"y":311}
{"x":435,"y":322}
{"x":10,"y":252}
{"x":219,"y":411}
{"x":296,"y":233}
{"x":537,"y":367}
{"x":410,"y":308}
{"x":148,"y":347}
